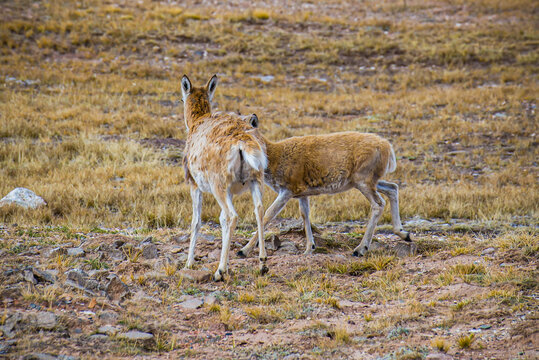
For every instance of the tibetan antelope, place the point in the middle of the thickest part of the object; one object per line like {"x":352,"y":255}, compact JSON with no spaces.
{"x":224,"y":156}
{"x":303,"y":166}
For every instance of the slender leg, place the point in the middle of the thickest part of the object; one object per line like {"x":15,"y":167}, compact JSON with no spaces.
{"x":196,"y":198}
{"x":309,"y":242}
{"x":271,"y":213}
{"x":377,"y":207}
{"x":228,"y":220}
{"x":391,"y":190}
{"x":256,"y":192}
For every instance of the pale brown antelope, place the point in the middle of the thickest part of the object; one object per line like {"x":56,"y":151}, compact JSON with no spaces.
{"x":303,"y":166}
{"x":224,"y":156}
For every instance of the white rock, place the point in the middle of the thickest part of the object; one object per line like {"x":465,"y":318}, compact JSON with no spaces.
{"x":135,"y":335}
{"x":75,"y":252}
{"x":210,"y":300}
{"x":23,"y":197}
{"x":108,"y":330}
{"x":191,"y":304}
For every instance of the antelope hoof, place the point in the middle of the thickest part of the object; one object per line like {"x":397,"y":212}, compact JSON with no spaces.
{"x":263,"y":269}
{"x":309,"y":250}
{"x":361,"y":252}
{"x":241,"y":254}
{"x":218,"y":276}
{"x":408,"y":238}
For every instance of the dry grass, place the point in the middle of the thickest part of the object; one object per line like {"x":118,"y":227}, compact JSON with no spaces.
{"x":456,"y":102}
{"x":91,"y":120}
{"x":440,"y":344}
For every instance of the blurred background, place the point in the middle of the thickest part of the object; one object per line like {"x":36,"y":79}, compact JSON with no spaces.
{"x":91,"y":117}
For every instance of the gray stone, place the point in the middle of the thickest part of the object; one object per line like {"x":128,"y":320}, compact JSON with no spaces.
{"x":10,"y":323}
{"x":28,"y":276}
{"x":108,"y":330}
{"x":488,"y":251}
{"x":273,"y":242}
{"x":149,"y":251}
{"x":98,"y":274}
{"x":375,"y":245}
{"x":208,"y":237}
{"x":57,"y":251}
{"x":184,"y":297}
{"x":195,"y":275}
{"x":417,"y":222}
{"x":67,"y":357}
{"x":210,"y":300}
{"x":79,"y":280}
{"x":265,"y":78}
{"x":99,"y":336}
{"x":404,"y":249}
{"x":75,"y":252}
{"x":45,"y":320}
{"x":116,"y":289}
{"x":288,"y":247}
{"x":74,"y":285}
{"x":141,"y":296}
{"x":191,"y":304}
{"x":43,"y":276}
{"x":179,"y":238}
{"x":93,"y":285}
{"x":77,"y":276}
{"x":39,"y":357}
{"x":438,"y":356}
{"x":23,"y":197}
{"x":117,"y":255}
{"x":134,"y":335}
{"x":108,"y":316}
{"x":349,"y":304}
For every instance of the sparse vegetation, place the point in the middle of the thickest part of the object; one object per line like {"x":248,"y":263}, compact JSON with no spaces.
{"x":440,"y":344}
{"x":91,"y":120}
{"x":464,"y":342}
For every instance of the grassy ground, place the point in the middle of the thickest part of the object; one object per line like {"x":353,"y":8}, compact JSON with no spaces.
{"x":91,"y":120}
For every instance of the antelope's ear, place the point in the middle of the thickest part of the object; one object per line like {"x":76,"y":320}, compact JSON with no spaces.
{"x":211,"y":85}
{"x":253,"y":121}
{"x":186,"y":87}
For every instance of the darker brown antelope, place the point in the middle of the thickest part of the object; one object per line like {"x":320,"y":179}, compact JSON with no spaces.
{"x":304,"y":166}
{"x":224,"y":156}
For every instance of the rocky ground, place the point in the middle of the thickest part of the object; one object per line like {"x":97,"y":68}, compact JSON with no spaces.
{"x":463,"y":290}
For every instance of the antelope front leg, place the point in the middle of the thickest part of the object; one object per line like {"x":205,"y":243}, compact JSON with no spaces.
{"x":391,"y":190}
{"x":196,"y":198}
{"x":271,"y":213}
{"x":377,"y":207}
{"x":309,"y":241}
{"x":256,"y":192}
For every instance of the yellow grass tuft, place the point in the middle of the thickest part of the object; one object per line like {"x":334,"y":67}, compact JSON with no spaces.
{"x":464,"y":342}
{"x":440,"y":344}
{"x":246,"y":297}
{"x":261,"y":14}
{"x":339,"y":334}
